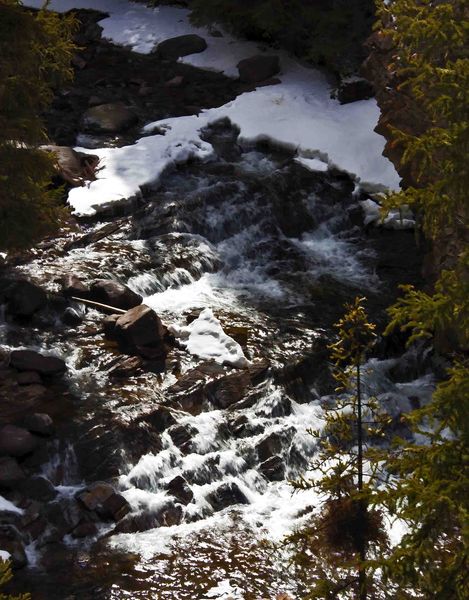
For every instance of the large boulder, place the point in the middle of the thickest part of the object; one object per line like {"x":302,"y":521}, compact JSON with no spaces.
{"x":225,"y":495}
{"x":105,"y":501}
{"x":108,"y":118}
{"x":140,"y":326}
{"x":16,"y":441}
{"x":181,"y":45}
{"x":73,"y":167}
{"x":258,"y":68}
{"x":10,"y":472}
{"x":113,"y":293}
{"x":39,"y":423}
{"x":24,"y":298}
{"x":29,"y":360}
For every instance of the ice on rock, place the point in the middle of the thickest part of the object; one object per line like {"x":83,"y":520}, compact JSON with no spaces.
{"x":206,"y":339}
{"x":402,"y":218}
{"x":312,"y":164}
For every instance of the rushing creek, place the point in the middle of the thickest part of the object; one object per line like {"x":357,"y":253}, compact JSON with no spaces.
{"x":265,"y":248}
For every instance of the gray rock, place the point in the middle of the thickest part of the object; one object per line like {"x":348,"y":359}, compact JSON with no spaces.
{"x":182,"y":45}
{"x":29,"y":360}
{"x":16,"y":441}
{"x":108,"y":118}
{"x":258,"y":68}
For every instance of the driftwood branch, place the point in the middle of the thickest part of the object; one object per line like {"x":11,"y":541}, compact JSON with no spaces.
{"x":100,"y":306}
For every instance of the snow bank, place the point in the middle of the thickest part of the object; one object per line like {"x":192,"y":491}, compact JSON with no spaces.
{"x":298,"y":113}
{"x":205,"y":338}
{"x":6,"y":505}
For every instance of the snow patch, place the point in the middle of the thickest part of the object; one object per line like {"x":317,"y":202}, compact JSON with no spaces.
{"x":9,"y":506}
{"x":206,"y":339}
{"x":402,"y":218}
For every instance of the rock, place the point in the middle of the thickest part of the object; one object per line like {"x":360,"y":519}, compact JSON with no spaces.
{"x":29,"y":360}
{"x":109,"y":325}
{"x":84,"y":529}
{"x":72,"y":317}
{"x":10,"y":472}
{"x":105,"y":501}
{"x":39,"y":423}
{"x":16,"y":441}
{"x":269,"y":446}
{"x":108,"y":118}
{"x":126,"y":367}
{"x":188,"y":393}
{"x":113,"y":293}
{"x":28,"y":378}
{"x":160,"y":419}
{"x":73,"y":167}
{"x":225,"y":495}
{"x":182,"y":437}
{"x":25,"y":298}
{"x":258,"y":68}
{"x":175,"y":81}
{"x":11,"y":541}
{"x":140,"y":326}
{"x":181,"y":45}
{"x":18,"y":401}
{"x":38,"y":488}
{"x":179,"y":488}
{"x":64,"y":514}
{"x":225,"y":391}
{"x":72,"y":285}
{"x":169,"y":515}
{"x":353,"y":89}
{"x":273,"y":468}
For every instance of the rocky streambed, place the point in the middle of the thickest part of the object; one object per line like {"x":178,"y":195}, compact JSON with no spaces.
{"x":146,"y":451}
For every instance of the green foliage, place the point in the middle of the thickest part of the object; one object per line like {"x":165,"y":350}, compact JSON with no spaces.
{"x":347,"y":532}
{"x":6,"y":576}
{"x":35,"y":54}
{"x":324,"y":32}
{"x":429,"y":487}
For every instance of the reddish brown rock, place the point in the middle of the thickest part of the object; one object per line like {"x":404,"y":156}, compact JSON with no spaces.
{"x":29,"y":360}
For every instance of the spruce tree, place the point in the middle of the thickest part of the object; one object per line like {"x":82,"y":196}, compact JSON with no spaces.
{"x":429,"y":488}
{"x":35,"y":55}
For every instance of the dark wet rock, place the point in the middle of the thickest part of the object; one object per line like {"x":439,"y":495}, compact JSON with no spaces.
{"x":72,"y":285}
{"x":84,"y":529}
{"x":226,"y":495}
{"x":28,"y":378}
{"x":113,"y":293}
{"x":39,"y":423}
{"x":16,"y":441}
{"x":18,"y":401}
{"x":72,"y":316}
{"x":269,"y":446}
{"x":182,"y":437}
{"x":33,"y":523}
{"x":160,"y":419}
{"x":25,"y":298}
{"x":108,"y":118}
{"x":169,"y":515}
{"x":136,"y":523}
{"x":207,"y":472}
{"x":354,"y":89}
{"x":126,"y":367}
{"x":188,"y":393}
{"x":241,"y":426}
{"x":140,"y":327}
{"x":38,"y":488}
{"x":273,"y":469}
{"x":179,"y":488}
{"x":258,"y":68}
{"x":109,"y":325}
{"x":225,"y":391}
{"x":105,"y":501}
{"x":64,"y":515}
{"x":182,"y":45}
{"x":12,"y":542}
{"x":29,"y":360}
{"x":10,"y":472}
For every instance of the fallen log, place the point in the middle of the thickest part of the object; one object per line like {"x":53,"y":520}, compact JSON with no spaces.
{"x":99,"y":306}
